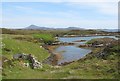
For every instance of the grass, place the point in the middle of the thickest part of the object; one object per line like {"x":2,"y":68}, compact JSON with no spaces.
{"x":90,"y":68}
{"x":46,"y":38}
{"x":94,"y":69}
{"x":17,"y":46}
{"x":100,"y":40}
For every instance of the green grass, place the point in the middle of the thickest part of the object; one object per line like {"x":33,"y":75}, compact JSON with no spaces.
{"x":46,"y":38}
{"x":94,"y":69}
{"x":100,"y":40}
{"x":90,"y":68}
{"x":17,"y":46}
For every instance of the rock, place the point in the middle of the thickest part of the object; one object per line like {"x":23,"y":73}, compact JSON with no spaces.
{"x":17,"y":56}
{"x":80,"y":41}
{"x":40,"y":46}
{"x":4,"y":59}
{"x":32,"y":59}
{"x":37,"y":65}
{"x":26,"y":64}
{"x":85,"y":45}
{"x":20,"y":56}
{"x":57,"y":67}
{"x":34,"y":63}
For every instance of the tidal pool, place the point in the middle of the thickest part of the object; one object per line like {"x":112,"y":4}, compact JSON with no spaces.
{"x":73,"y":52}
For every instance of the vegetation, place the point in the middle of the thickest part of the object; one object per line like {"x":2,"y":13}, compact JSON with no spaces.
{"x":53,"y":32}
{"x":96,"y":66}
{"x":12,"y":46}
{"x":46,"y":38}
{"x":92,"y":66}
{"x":84,"y":32}
{"x":100,"y":40}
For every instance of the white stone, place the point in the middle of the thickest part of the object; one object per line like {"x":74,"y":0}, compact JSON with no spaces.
{"x":40,"y":46}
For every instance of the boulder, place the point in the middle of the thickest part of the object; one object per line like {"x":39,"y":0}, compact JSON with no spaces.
{"x":33,"y":63}
{"x":26,"y":64}
{"x":20,"y":56}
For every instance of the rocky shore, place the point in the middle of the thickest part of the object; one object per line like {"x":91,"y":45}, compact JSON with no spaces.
{"x":54,"y":57}
{"x":80,"y":41}
{"x":99,"y":42}
{"x":94,"y":43}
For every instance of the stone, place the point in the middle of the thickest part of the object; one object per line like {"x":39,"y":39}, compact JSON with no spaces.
{"x":32,"y":59}
{"x":17,"y":56}
{"x":40,"y":46}
{"x":57,"y":67}
{"x":26,"y":64}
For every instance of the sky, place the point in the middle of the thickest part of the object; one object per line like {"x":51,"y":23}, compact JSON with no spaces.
{"x":61,"y":14}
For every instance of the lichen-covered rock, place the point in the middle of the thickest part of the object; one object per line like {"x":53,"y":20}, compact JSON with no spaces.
{"x":33,"y":63}
{"x":20,"y":56}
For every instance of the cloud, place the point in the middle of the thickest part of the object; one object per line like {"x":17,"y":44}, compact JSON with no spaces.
{"x":29,"y":10}
{"x":61,"y":1}
{"x":108,"y":8}
{"x":55,"y":22}
{"x":65,"y":18}
{"x":23,"y":8}
{"x":0,"y":15}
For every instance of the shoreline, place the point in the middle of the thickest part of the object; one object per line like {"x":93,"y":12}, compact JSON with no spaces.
{"x":55,"y":57}
{"x":86,"y":35}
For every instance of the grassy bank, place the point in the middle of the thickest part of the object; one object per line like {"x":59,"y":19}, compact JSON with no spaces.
{"x":13,"y":46}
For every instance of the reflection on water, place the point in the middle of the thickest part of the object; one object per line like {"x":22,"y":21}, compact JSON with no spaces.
{"x":72,"y":52}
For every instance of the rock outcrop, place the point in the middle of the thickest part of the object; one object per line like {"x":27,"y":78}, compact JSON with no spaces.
{"x":33,"y":63}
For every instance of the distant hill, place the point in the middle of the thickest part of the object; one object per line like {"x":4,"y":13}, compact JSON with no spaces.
{"x":34,"y":27}
{"x":37,"y":27}
{"x":110,"y":30}
{"x":74,"y":28}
